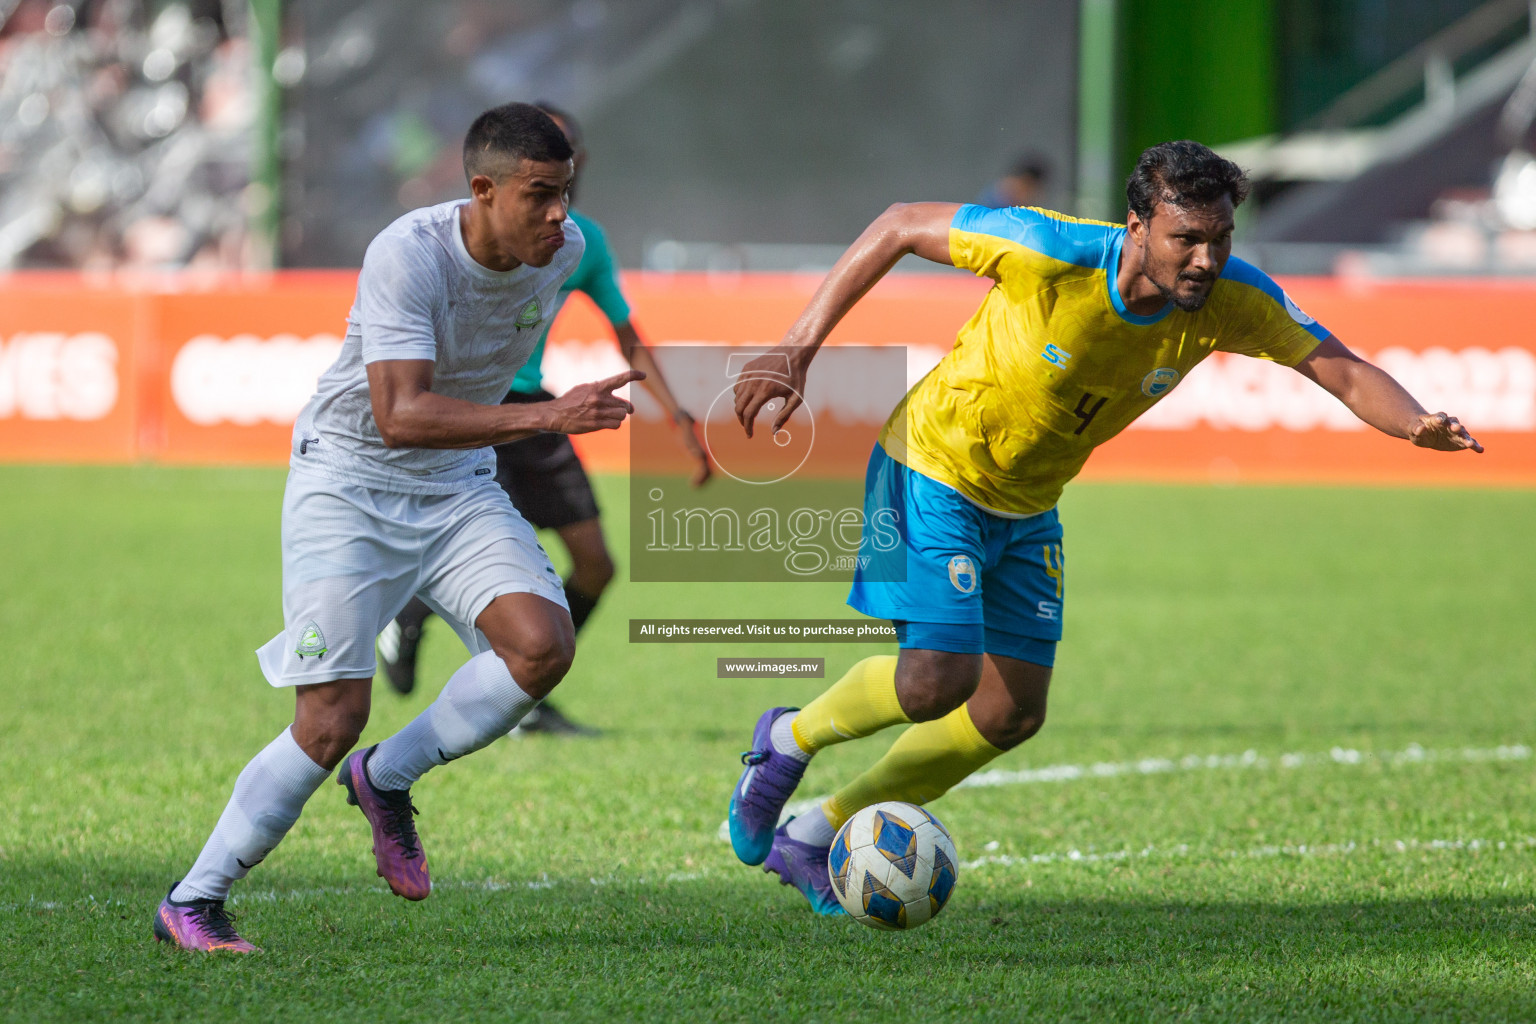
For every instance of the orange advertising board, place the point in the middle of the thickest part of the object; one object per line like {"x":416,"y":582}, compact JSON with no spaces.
{"x":238,"y":364}
{"x":1467,"y":348}
{"x":70,"y":372}
{"x":191,"y":370}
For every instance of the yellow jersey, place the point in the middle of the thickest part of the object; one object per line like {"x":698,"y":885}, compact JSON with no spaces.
{"x":1053,"y":364}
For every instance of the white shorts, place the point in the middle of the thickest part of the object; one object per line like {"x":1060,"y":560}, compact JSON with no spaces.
{"x":353,"y":556}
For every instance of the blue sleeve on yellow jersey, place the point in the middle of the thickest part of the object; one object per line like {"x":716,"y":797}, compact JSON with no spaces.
{"x":1243,"y":272}
{"x":1260,"y":320}
{"x":1078,"y":242}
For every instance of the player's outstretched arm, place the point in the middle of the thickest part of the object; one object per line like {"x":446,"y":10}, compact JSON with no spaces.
{"x":638,"y":355}
{"x":410,"y":414}
{"x":920,"y":228}
{"x":1373,"y":395}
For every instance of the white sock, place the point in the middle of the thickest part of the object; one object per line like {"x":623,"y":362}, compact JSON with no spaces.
{"x":480,"y":702}
{"x":783,"y":737}
{"x":269,"y":794}
{"x":812,"y":827}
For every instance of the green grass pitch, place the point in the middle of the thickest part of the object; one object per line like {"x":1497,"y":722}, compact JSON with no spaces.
{"x":1310,"y":712}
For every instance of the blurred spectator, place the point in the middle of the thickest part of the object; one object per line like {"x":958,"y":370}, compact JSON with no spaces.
{"x":1024,"y":185}
{"x":125,"y":134}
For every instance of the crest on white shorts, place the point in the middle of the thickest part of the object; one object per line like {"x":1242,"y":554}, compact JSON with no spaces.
{"x":962,"y":573}
{"x":311,"y":642}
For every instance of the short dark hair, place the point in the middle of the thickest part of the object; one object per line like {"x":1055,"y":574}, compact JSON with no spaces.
{"x":1183,"y":174}
{"x":512,"y":132}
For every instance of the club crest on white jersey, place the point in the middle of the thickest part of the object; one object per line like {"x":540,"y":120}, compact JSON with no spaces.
{"x":531,"y":315}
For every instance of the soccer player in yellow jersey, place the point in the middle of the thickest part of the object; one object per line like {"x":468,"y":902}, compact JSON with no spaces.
{"x":1086,"y":326}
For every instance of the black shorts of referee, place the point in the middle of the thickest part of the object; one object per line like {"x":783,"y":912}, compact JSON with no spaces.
{"x":543,"y":475}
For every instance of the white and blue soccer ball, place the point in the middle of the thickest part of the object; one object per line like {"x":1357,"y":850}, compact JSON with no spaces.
{"x":893,"y":866}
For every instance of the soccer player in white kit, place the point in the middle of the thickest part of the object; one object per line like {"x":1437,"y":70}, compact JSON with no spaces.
{"x":392,"y":493}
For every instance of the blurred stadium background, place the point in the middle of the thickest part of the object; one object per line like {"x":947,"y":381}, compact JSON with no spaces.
{"x":1392,"y":135}
{"x":1288,"y":769}
{"x":176,"y":166}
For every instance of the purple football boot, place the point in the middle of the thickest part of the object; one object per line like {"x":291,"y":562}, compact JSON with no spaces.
{"x":805,"y":867}
{"x":760,"y":794}
{"x":202,"y":925}
{"x":396,"y":847}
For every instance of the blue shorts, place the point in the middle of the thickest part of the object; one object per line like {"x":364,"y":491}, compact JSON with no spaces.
{"x":953,"y":576}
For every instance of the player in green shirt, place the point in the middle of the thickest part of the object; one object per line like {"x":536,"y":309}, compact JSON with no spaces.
{"x":543,"y":475}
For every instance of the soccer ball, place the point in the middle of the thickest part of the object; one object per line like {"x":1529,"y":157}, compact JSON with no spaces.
{"x":893,"y":866}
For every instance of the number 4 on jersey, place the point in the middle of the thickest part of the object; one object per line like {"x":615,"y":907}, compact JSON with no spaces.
{"x":1087,"y":409}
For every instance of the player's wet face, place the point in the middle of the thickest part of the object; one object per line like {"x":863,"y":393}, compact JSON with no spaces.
{"x":1184,"y":250}
{"x":527,"y":210}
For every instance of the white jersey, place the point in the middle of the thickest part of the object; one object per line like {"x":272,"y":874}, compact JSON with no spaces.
{"x":422,"y":296}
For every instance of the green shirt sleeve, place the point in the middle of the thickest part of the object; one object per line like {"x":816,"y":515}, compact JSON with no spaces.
{"x":598,"y":273}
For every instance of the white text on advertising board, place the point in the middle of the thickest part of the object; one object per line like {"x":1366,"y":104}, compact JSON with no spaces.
{"x":246,"y":380}
{"x":47,"y":375}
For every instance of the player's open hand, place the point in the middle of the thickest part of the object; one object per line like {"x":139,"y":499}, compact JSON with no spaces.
{"x":776,"y":377}
{"x":1443,"y":433}
{"x":703,"y":469}
{"x":589,"y":407}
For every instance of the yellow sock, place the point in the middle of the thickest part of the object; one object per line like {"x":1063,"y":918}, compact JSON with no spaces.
{"x":862,"y":702}
{"x":922,"y":765}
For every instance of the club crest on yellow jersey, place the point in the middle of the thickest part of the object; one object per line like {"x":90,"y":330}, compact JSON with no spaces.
{"x":1159,"y":382}
{"x":1054,"y":362}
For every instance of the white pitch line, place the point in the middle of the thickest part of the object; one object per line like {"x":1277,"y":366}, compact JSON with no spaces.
{"x":1248,"y":759}
{"x":1344,"y":849}
{"x":1075,"y":857}
{"x":1413,"y":754}
{"x":464,"y":885}
{"x":488,"y":885}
